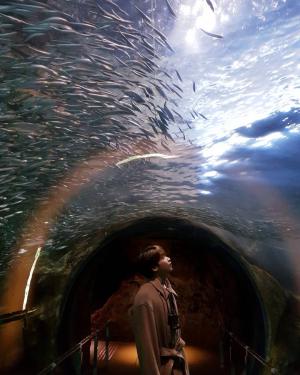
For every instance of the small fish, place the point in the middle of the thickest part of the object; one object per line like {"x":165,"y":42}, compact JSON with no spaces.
{"x":134,"y":96}
{"x":209,"y":3}
{"x":134,"y":106}
{"x":205,"y":118}
{"x":117,"y":6}
{"x":149,"y":91}
{"x":6,"y":35}
{"x":188,"y":124}
{"x":154,"y":128}
{"x":138,"y":73}
{"x":165,"y":146}
{"x":113,"y":16}
{"x":134,"y":123}
{"x":143,"y":14}
{"x":194,"y":86}
{"x":163,"y":117}
{"x":178,"y":75}
{"x":141,"y":65}
{"x":169,"y":113}
{"x":147,"y":133}
{"x":177,"y":87}
{"x":182,"y":132}
{"x":177,"y":93}
{"x":159,"y":33}
{"x":132,"y":35}
{"x":83,"y":24}
{"x":56,"y":20}
{"x":168,"y":45}
{"x":211,"y":34}
{"x":167,"y":74}
{"x":148,"y":67}
{"x":148,"y":45}
{"x":178,"y":114}
{"x":45,"y":68}
{"x":127,"y":40}
{"x":5,"y":8}
{"x":151,"y":52}
{"x":167,"y":135}
{"x":38,"y":50}
{"x":34,"y":35}
{"x":170,"y":9}
{"x":14,"y":19}
{"x":121,"y":62}
{"x":161,"y":92}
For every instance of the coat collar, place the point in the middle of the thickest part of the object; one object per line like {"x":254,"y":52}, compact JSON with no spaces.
{"x":161,"y":289}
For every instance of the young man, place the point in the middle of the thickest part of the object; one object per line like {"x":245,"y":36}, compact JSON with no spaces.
{"x":154,"y":317}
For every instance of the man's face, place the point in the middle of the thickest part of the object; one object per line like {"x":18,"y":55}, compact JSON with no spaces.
{"x":165,"y":265}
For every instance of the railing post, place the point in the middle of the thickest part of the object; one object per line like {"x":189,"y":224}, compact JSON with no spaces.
{"x":95,"y":358}
{"x":245,"y":371}
{"x":53,"y":367}
{"x":106,"y":343}
{"x":80,"y":359}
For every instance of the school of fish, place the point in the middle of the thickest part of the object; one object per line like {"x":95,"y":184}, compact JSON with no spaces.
{"x":78,"y":77}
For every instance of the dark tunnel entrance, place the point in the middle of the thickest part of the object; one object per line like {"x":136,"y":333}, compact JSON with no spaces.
{"x":214,"y":288}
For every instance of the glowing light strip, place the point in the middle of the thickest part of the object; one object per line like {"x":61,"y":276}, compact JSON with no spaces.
{"x":26,"y":293}
{"x":163,"y":156}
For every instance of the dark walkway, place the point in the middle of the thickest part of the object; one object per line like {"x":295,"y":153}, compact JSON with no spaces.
{"x":123,"y":360}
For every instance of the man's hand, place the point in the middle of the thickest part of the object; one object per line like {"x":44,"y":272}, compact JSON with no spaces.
{"x":180,"y":344}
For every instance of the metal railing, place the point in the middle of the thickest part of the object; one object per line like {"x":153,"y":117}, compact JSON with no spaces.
{"x":78,"y":348}
{"x":16,"y":315}
{"x":248,"y":351}
{"x":23,"y":314}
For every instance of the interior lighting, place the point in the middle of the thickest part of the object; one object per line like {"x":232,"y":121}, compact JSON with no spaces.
{"x":27,"y":288}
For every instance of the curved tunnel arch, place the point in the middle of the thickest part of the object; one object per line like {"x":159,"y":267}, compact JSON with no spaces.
{"x":112,"y":261}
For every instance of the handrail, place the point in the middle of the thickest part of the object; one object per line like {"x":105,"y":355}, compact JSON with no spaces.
{"x":22,"y":314}
{"x":15,"y":315}
{"x":250,"y":351}
{"x":68,"y":353}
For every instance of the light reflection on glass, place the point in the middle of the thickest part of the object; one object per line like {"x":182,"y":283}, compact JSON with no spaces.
{"x":205,"y":192}
{"x":211,"y":174}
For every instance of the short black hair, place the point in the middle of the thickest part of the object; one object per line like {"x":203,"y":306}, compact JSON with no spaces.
{"x":149,"y":258}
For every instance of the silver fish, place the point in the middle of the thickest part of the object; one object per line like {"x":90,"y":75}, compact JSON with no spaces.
{"x":170,"y":8}
{"x":209,"y":3}
{"x":211,"y":34}
{"x":143,"y":14}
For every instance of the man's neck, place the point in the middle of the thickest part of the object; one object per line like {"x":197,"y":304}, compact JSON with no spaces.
{"x":163,"y":279}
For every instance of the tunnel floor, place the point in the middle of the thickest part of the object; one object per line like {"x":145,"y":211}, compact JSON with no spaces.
{"x":123,"y":360}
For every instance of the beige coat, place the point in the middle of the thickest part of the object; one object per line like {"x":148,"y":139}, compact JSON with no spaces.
{"x":149,"y":319}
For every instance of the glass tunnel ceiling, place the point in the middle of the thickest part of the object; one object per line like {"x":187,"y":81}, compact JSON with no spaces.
{"x":103,"y":119}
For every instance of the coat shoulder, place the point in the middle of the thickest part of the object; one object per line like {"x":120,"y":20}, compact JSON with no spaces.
{"x":144,"y":295}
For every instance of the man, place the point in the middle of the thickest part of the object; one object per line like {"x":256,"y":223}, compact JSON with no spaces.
{"x":154,"y":317}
